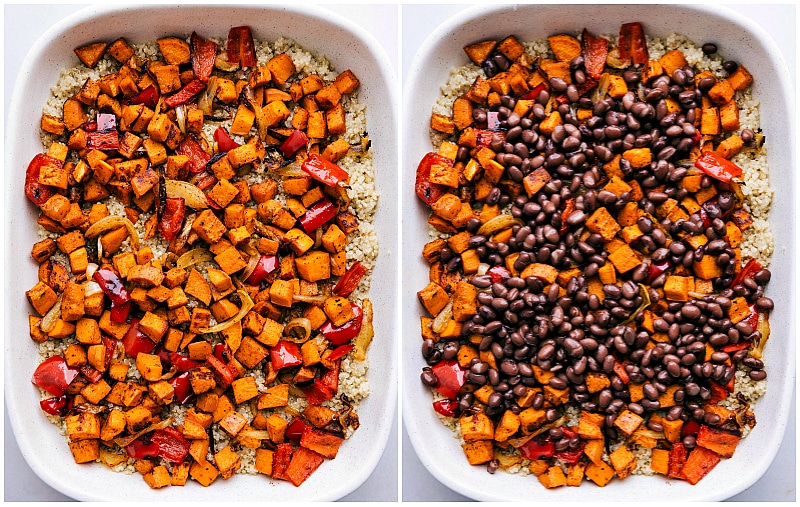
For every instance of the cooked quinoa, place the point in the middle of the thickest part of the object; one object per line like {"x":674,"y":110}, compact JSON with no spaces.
{"x":757,"y":243}
{"x":362,"y":243}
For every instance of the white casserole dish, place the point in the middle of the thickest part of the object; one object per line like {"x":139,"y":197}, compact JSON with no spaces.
{"x":738,"y":39}
{"x":345,"y":45}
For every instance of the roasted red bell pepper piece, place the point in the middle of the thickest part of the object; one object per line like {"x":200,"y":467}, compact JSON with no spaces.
{"x":53,"y":375}
{"x":427,"y":191}
{"x":185,"y":94}
{"x":171,"y":219}
{"x":119,"y":313}
{"x":149,"y":97}
{"x":295,"y":430}
{"x":571,"y":456}
{"x":656,"y":269}
{"x":204,"y":54}
{"x":172,"y":446}
{"x":735,"y":347}
{"x":37,"y":192}
{"x":347,"y":331}
{"x":285,"y":354}
{"x":176,"y":359}
{"x":533,"y":94}
{"x":676,"y":460}
{"x":498,"y":274}
{"x":534,"y":449}
{"x":192,"y":149}
{"x":690,"y":428}
{"x":241,"y":48}
{"x":281,"y":460}
{"x":340,"y":351}
{"x":569,"y":208}
{"x":317,"y":393}
{"x":330,"y":378}
{"x":595,"y":51}
{"x":139,"y":449}
{"x":135,"y":341}
{"x":58,"y":405}
{"x":225,"y":372}
{"x":266,"y":265}
{"x":111,"y":349}
{"x":449,"y":378}
{"x":112,"y":286}
{"x":632,"y":44}
{"x":90,"y":126}
{"x":293,"y":143}
{"x":445,"y":407}
{"x":717,"y":167}
{"x":224,"y":141}
{"x":204,"y":180}
{"x":484,"y":137}
{"x":751,"y":268}
{"x":91,"y":374}
{"x":182,"y":386}
{"x":350,"y":280}
{"x":324,"y":171}
{"x":718,"y":392}
{"x":103,"y":141}
{"x":318,"y":214}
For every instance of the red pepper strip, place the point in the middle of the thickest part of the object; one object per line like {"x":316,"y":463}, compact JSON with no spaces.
{"x":112,"y":286}
{"x":717,"y":167}
{"x":534,"y":93}
{"x":204,"y":54}
{"x":295,"y":430}
{"x":91,"y":374}
{"x":735,"y":347}
{"x":340,"y":351}
{"x":285,"y":355}
{"x":427,"y":191}
{"x":324,"y":171}
{"x":318,"y":214}
{"x":690,"y":428}
{"x":445,"y":407}
{"x":172,"y":446}
{"x":148,"y":97}
{"x":203,"y":180}
{"x":53,"y":375}
{"x":197,"y":157}
{"x":751,"y":268}
{"x":347,"y":331}
{"x":182,"y":387}
{"x":103,"y":141}
{"x":595,"y":51}
{"x":676,"y":460}
{"x":171,"y":219}
{"x":293,"y":143}
{"x":176,"y":359}
{"x":534,"y":450}
{"x":37,"y":192}
{"x":632,"y":44}
{"x":498,"y":274}
{"x":752,"y":320}
{"x":185,"y":94}
{"x":350,"y":280}
{"x":281,"y":460}
{"x":241,"y":48}
{"x":569,"y":208}
{"x":135,"y":341}
{"x":119,"y":313}
{"x":138,"y":449}
{"x":225,"y":372}
{"x":59,"y":405}
{"x":317,"y":393}
{"x":449,"y":378}
{"x":330,"y":379}
{"x":266,"y":265}
{"x":619,"y":370}
{"x":111,"y":349}
{"x":656,"y":269}
{"x":224,"y":141}
{"x":571,"y":456}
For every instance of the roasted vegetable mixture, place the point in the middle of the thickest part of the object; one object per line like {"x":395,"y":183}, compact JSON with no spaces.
{"x":590,"y":314}
{"x":196,"y":299}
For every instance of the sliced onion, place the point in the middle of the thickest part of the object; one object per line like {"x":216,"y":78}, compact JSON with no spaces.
{"x":602,"y":88}
{"x":364,"y":337}
{"x":497,"y":224}
{"x":180,"y":241}
{"x":90,"y":269}
{"x":112,"y":222}
{"x":261,"y":119}
{"x":613,"y":59}
{"x":222,"y":63}
{"x":251,"y":266}
{"x":251,"y":433}
{"x":298,"y":324}
{"x":111,"y":459}
{"x":291,"y":170}
{"x":48,"y":322}
{"x":206,"y":100}
{"x":763,"y":328}
{"x":444,"y":316}
{"x":247,"y":305}
{"x":194,"y":256}
{"x":126,"y":441}
{"x":313,"y":300}
{"x":192,"y":196}
{"x":483,"y":268}
{"x":91,"y":288}
{"x":180,"y":117}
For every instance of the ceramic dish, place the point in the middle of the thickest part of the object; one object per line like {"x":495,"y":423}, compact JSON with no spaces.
{"x":738,"y":39}
{"x":345,"y":45}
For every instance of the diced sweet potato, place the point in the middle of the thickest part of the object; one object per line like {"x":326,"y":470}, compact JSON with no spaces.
{"x":91,"y":53}
{"x":699,"y":463}
{"x":564,"y":47}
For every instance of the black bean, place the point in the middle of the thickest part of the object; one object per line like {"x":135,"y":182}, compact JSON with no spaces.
{"x":757,"y":374}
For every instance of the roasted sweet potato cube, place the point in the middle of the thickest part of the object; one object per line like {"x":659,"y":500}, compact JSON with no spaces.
{"x":564,"y":47}
{"x":624,"y":258}
{"x":228,"y":462}
{"x":42,"y":297}
{"x":729,"y":116}
{"x":91,"y":53}
{"x":628,"y":422}
{"x":433,"y":298}
{"x":281,"y":68}
{"x":174,"y":50}
{"x":149,"y":366}
{"x":601,"y":222}
{"x":304,"y":462}
{"x":672,"y":60}
{"x":600,"y":474}
{"x":85,"y":451}
{"x":478,"y":452}
{"x":158,"y":477}
{"x":730,"y":147}
{"x":553,"y":477}
{"x":718,"y":440}
{"x":508,"y":426}
{"x":442,"y":123}
{"x":82,"y":426}
{"x":623,"y":461}
{"x":476,"y":426}
{"x":203,"y":472}
{"x":480,"y":51}
{"x":324,"y":442}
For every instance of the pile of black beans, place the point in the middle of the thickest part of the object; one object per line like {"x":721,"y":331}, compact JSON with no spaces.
{"x":525,"y":323}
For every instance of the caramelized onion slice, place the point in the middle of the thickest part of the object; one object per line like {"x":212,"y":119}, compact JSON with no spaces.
{"x":194,"y":256}
{"x":297,"y":330}
{"x":497,"y":224}
{"x":112,"y":222}
{"x":247,"y":305}
{"x":191,"y":195}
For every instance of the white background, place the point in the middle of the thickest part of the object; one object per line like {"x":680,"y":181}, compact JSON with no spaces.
{"x":23,"y":25}
{"x":779,"y":483}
